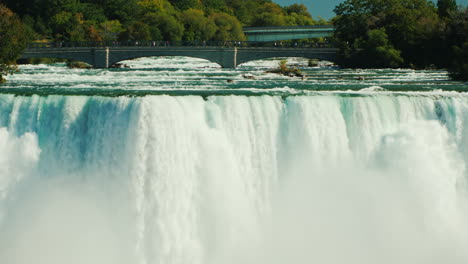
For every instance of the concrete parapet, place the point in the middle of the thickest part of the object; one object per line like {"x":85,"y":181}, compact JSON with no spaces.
{"x":227,"y":57}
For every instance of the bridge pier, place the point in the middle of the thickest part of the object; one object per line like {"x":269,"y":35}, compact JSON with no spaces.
{"x":101,"y":58}
{"x":227,"y":57}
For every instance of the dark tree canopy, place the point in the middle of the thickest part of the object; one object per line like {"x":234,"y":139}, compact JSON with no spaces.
{"x":76,"y":20}
{"x":446,"y":7}
{"x":457,"y":39}
{"x":369,"y":33}
{"x":396,"y":33}
{"x":12,"y":40}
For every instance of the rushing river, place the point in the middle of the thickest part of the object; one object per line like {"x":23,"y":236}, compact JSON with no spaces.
{"x":177,"y":161}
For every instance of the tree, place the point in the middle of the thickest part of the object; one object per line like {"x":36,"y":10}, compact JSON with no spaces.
{"x":379,"y":51}
{"x":197,"y":26}
{"x":228,"y":27}
{"x":411,"y":26}
{"x":48,"y":8}
{"x":297,"y":15}
{"x":459,"y":68}
{"x":135,"y":32}
{"x":12,"y":41}
{"x":244,"y":10}
{"x":73,"y":27}
{"x":151,"y":5}
{"x":457,"y":40}
{"x":219,"y":5}
{"x":446,"y":7}
{"x":164,"y":26}
{"x":21,"y":7}
{"x":270,"y":15}
{"x":298,"y":9}
{"x":109,"y":30}
{"x":92,"y":12}
{"x":126,"y":11}
{"x":186,"y":4}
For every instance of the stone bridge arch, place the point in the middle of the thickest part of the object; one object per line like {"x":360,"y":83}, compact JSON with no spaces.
{"x":104,"y":57}
{"x":215,"y":54}
{"x":78,"y":54}
{"x":227,"y":57}
{"x":252,"y":54}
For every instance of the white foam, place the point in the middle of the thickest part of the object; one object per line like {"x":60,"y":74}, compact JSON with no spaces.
{"x":234,"y":179}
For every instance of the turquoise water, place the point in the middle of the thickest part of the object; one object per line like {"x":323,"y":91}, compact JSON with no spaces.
{"x":278,"y":170}
{"x":182,"y":76}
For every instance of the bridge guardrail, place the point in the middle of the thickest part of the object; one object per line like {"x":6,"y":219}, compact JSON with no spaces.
{"x":290,"y":27}
{"x":87,"y":44}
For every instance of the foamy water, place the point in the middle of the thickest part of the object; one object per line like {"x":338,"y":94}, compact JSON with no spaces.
{"x":327,"y":170}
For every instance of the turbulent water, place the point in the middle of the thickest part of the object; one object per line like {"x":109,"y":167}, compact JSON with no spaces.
{"x":176,"y":161}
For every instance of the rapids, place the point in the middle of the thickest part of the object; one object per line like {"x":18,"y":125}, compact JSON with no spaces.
{"x":357,"y":173}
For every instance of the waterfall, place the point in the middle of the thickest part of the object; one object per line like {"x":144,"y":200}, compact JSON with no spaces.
{"x":234,"y":179}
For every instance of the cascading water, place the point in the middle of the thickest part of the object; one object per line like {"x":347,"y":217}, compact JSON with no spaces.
{"x":324,"y":178}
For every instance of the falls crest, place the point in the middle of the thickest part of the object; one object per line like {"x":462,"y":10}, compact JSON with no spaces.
{"x":164,"y":179}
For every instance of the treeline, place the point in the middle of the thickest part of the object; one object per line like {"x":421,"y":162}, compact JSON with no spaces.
{"x":403,"y":33}
{"x":108,"y":20}
{"x":369,"y":33}
{"x":13,"y":39}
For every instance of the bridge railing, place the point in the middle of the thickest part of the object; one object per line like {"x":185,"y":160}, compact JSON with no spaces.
{"x":132,"y":43}
{"x":330,"y":27}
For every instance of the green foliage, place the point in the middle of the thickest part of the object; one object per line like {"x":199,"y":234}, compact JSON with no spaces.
{"x":446,"y":7}
{"x":186,"y":4}
{"x":283,"y":66}
{"x":6,"y":69}
{"x":73,"y":27}
{"x":51,"y":7}
{"x":394,"y":33}
{"x":285,"y":70}
{"x":459,"y":68}
{"x":123,"y":10}
{"x":138,"y":31}
{"x":93,"y":12}
{"x":228,"y":27}
{"x":322,"y":21}
{"x":151,"y":5}
{"x":244,"y":10}
{"x":13,"y":40}
{"x":379,"y":51}
{"x":110,"y":29}
{"x":78,"y":20}
{"x":197,"y":26}
{"x":164,"y":26}
{"x":270,"y":14}
{"x":297,"y":15}
{"x":410,"y":27}
{"x":457,"y":38}
{"x":214,"y":5}
{"x":298,"y":9}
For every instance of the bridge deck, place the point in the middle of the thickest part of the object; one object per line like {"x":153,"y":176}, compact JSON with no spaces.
{"x":289,"y":29}
{"x":266,"y":34}
{"x":226,"y":56}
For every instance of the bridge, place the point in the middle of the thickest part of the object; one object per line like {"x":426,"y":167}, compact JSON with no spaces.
{"x":268,"y":34}
{"x":227,"y":54}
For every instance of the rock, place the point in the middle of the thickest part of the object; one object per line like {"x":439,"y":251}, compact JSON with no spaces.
{"x":249,"y":76}
{"x":78,"y":65}
{"x":119,"y":66}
